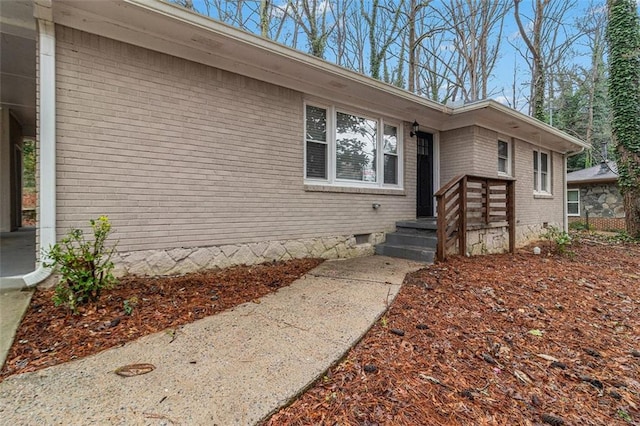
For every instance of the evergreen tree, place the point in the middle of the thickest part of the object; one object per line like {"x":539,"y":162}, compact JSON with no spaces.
{"x":623,"y":37}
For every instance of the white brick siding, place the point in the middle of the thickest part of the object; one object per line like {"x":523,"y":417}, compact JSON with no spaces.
{"x":474,"y":150}
{"x":179,"y":154}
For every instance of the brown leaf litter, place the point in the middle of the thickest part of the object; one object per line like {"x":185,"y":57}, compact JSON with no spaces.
{"x":496,"y":340}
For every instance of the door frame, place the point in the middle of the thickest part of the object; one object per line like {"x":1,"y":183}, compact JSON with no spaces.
{"x":420,"y":176}
{"x":435,"y":179}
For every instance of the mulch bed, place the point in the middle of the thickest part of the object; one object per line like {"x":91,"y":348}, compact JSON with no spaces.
{"x":496,"y":340}
{"x":50,"y":335}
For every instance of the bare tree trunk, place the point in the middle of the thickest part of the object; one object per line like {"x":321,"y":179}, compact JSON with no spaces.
{"x":476,"y":28}
{"x":264,"y":18}
{"x":382,"y":32}
{"x":632,"y":211}
{"x":412,"y":46}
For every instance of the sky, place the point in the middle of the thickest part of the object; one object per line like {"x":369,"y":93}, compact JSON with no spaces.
{"x":508,"y":60}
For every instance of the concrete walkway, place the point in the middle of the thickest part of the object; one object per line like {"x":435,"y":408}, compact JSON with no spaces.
{"x":13,"y":305}
{"x":234,"y":368}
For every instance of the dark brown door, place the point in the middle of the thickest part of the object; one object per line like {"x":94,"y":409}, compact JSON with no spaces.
{"x":425,"y":175}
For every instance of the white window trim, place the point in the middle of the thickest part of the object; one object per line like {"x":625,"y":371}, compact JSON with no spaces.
{"x":509,"y":156}
{"x":573,"y":202}
{"x":538,"y":184}
{"x":332,"y":180}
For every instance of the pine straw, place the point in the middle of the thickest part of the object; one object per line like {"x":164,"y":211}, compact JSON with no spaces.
{"x":470,"y":354}
{"x":48,"y":335}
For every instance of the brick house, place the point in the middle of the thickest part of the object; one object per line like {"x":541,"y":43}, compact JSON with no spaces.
{"x":593,"y":197}
{"x":207,"y":146}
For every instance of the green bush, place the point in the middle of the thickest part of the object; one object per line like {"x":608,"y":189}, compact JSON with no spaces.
{"x":560,"y":238}
{"x":85,"y":266}
{"x":581,"y":226}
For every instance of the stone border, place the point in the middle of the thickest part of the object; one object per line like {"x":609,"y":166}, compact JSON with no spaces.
{"x":178,"y":261}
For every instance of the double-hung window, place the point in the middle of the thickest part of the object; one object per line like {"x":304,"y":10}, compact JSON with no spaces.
{"x":541,"y":172}
{"x":342,"y":148}
{"x":573,"y":202}
{"x":504,"y":158}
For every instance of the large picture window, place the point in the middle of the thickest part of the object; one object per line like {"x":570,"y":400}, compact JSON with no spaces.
{"x":342,"y":148}
{"x":541,"y":172}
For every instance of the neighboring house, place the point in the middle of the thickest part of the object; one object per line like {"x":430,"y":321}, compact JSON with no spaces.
{"x":207,"y":146}
{"x":593,"y":196}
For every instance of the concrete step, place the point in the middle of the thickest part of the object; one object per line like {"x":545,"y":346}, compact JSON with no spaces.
{"x":420,"y":254}
{"x":420,"y":239}
{"x":430,"y":224}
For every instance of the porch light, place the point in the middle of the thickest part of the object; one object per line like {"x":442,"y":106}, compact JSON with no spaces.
{"x":415,"y":127}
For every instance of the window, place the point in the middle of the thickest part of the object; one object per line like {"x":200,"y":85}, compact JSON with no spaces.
{"x":344,"y":149}
{"x":316,"y":142}
{"x":504,"y":163}
{"x":541,"y":172}
{"x":573,"y":202}
{"x":390,"y":145}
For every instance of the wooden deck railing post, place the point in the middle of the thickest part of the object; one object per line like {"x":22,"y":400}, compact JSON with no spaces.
{"x":441,"y":232}
{"x":511,"y":215}
{"x":487,"y":201}
{"x":462,"y":228}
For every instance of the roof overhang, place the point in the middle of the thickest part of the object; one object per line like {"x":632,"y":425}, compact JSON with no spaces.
{"x":591,"y":181}
{"x":509,"y":122}
{"x":167,"y":28}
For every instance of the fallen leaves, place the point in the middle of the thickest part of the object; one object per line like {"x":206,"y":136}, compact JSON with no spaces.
{"x":134,"y":370}
{"x":496,"y":340}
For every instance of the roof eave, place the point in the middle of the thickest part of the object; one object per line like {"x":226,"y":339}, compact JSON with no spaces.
{"x":491,"y":114}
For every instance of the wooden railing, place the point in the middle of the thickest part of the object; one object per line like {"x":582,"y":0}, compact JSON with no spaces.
{"x":473,"y":202}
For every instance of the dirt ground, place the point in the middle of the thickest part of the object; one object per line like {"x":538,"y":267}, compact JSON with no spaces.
{"x":138,"y":306}
{"x":496,"y":340}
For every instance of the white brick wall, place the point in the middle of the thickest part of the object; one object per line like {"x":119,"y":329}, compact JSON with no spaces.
{"x":474,"y":150}
{"x":179,"y":154}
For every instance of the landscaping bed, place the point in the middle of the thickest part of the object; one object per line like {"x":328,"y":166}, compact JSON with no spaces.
{"x":518,"y":339}
{"x":138,"y":306}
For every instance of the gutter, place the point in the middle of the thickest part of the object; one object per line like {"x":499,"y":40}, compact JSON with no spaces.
{"x":47,"y":139}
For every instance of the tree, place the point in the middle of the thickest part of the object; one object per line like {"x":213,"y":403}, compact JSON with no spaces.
{"x":623,"y":38}
{"x":382,"y":32}
{"x":311,"y":16}
{"x":548,"y":41}
{"x":476,"y":30}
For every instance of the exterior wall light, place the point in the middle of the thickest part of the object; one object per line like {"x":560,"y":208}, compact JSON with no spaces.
{"x":375,"y":206}
{"x":416,"y":127}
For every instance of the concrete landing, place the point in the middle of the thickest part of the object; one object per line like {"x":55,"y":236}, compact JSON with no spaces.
{"x":234,"y":368}
{"x":17,"y":252}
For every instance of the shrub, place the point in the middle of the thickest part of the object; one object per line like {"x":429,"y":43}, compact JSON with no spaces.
{"x":560,"y":238}
{"x":85,"y":266}
{"x":581,"y":226}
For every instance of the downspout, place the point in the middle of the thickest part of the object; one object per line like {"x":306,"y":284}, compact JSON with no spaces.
{"x":565,"y":217}
{"x":47,"y":139}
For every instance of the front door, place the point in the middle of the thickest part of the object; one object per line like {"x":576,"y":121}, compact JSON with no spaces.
{"x":425,"y":175}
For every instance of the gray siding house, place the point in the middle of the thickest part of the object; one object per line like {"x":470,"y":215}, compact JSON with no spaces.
{"x":207,"y":146}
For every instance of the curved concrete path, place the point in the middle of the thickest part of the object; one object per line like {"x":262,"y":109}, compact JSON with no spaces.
{"x":234,"y":368}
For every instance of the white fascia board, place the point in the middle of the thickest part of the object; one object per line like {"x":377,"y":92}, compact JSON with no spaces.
{"x":171,"y":29}
{"x":548,"y":136}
